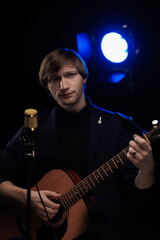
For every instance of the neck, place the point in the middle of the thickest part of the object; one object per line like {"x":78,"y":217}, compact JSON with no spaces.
{"x":77,"y":106}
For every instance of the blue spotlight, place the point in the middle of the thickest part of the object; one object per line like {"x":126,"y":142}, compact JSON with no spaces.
{"x":114,"y":47}
{"x":116,"y":77}
{"x":84,"y":45}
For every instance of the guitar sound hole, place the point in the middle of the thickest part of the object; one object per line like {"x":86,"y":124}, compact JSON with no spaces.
{"x":58,"y":218}
{"x":57,"y":225}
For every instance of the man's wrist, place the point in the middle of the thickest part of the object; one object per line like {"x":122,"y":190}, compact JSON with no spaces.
{"x":145,"y":179}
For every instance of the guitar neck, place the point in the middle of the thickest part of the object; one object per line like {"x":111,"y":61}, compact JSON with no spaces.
{"x":94,"y":179}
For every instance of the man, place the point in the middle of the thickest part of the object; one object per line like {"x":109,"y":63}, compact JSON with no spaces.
{"x":77,"y":135}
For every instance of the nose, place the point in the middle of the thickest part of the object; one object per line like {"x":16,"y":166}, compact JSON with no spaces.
{"x":63,"y":84}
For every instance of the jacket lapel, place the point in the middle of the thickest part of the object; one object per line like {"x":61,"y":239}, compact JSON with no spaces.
{"x":96,"y":122}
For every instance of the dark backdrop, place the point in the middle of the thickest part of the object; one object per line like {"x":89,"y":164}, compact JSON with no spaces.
{"x":29,"y":30}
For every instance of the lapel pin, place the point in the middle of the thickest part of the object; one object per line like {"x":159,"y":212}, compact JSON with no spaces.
{"x":100,"y":120}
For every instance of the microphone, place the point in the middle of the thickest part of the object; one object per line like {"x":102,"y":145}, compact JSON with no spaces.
{"x":31,"y":121}
{"x":29,"y":135}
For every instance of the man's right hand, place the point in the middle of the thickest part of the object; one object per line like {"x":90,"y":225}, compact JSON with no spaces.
{"x":51,"y":207}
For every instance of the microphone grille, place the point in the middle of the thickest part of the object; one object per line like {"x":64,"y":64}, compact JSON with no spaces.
{"x":31,"y":120}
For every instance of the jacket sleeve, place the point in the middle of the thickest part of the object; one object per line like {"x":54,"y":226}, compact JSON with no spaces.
{"x":142,"y":206}
{"x":13,"y":163}
{"x":3,"y":166}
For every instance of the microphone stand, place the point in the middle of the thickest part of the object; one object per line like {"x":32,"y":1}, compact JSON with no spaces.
{"x":29,"y":138}
{"x":30,"y":157}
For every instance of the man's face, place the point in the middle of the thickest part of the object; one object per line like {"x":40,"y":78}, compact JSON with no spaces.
{"x":67,"y":88}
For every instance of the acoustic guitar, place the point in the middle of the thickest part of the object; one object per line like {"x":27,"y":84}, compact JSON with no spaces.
{"x":72,"y":220}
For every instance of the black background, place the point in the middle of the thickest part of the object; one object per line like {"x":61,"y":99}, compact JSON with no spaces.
{"x":30,"y":30}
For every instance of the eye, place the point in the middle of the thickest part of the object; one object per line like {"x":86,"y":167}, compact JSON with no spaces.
{"x":56,"y":79}
{"x":70,"y":75}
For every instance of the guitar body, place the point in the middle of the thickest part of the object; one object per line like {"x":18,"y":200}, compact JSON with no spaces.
{"x":68,"y":224}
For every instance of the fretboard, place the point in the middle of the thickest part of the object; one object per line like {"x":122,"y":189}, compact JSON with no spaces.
{"x":94,"y":179}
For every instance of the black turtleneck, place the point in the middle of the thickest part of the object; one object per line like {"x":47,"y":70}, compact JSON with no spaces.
{"x":73,"y":129}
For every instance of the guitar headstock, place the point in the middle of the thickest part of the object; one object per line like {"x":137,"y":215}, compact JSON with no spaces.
{"x":154,"y":134}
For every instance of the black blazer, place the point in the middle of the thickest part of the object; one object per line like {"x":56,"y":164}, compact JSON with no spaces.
{"x":108,"y":135}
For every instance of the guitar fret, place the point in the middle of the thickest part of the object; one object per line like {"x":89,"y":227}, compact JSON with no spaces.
{"x":79,"y":194}
{"x":88,"y":187}
{"x":125,"y":151}
{"x":85,"y":188}
{"x":92,"y":182}
{"x":115,"y":163}
{"x":100,"y":174}
{"x":109,"y":167}
{"x":60,"y":200}
{"x":95,"y":177}
{"x":70,"y":197}
{"x":105,"y":171}
{"x":64,"y":202}
{"x":75,"y":195}
{"x":89,"y":182}
{"x":120,"y":159}
{"x":67,"y":200}
{"x":82,"y":188}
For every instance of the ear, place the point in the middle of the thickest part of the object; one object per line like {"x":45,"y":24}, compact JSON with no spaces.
{"x":84,"y":80}
{"x":84,"y":84}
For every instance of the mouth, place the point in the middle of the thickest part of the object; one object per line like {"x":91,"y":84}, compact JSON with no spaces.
{"x":66,"y":95}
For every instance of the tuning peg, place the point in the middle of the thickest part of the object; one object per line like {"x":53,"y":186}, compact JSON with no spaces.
{"x":155,"y":123}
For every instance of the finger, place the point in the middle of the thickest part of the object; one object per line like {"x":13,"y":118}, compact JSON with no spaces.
{"x":134,"y":146}
{"x":51,"y":193}
{"x":50,"y":214}
{"x":142,"y":143}
{"x":132,"y":154}
{"x":49,"y":203}
{"x":52,"y":204}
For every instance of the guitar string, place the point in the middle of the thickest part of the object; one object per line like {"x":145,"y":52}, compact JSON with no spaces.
{"x":80,"y":186}
{"x":72,"y":197}
{"x":97,"y":177}
{"x":54,"y":235}
{"x":100,"y":170}
{"x":81,"y":189}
